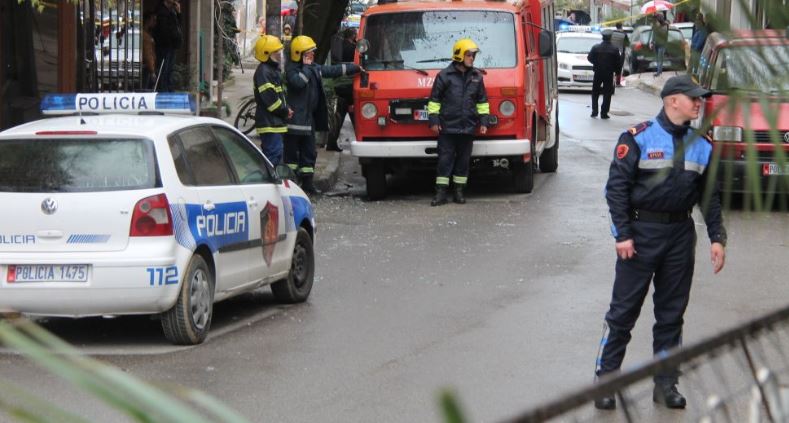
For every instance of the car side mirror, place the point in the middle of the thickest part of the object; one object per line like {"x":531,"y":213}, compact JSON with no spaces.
{"x":546,"y":43}
{"x":284,"y":172}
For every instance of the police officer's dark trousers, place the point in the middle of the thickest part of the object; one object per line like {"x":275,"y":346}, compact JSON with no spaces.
{"x":665,"y":253}
{"x":300,"y":153}
{"x":454,"y":153}
{"x":603,"y":83}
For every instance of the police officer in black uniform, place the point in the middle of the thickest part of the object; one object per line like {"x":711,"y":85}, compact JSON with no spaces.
{"x":658,"y":173}
{"x":604,"y":58}
{"x":458,"y":104}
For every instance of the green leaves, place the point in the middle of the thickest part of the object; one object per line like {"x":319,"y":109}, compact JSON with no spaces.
{"x":140,"y":401}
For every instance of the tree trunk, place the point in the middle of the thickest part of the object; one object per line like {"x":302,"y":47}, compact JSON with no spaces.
{"x":321,"y":20}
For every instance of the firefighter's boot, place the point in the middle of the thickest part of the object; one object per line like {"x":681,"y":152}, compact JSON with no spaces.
{"x":441,"y":196}
{"x":307,"y":183}
{"x":457,"y":196}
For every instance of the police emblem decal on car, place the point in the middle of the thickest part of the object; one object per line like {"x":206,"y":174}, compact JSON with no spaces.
{"x":269,"y":223}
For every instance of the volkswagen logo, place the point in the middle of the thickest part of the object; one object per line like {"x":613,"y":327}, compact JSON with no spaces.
{"x":49,"y":206}
{"x":786,"y":137}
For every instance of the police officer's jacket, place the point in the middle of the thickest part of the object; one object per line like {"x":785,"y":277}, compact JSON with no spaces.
{"x":458,"y":101}
{"x":306,"y":96}
{"x":272,"y":106}
{"x":604,"y":57}
{"x":662,"y":167}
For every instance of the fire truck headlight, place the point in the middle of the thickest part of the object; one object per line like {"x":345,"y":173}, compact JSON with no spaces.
{"x":369,"y":110}
{"x":507,"y":108}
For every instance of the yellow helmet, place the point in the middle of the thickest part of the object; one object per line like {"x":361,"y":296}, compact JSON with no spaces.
{"x":463,"y":46}
{"x":266,"y":46}
{"x":299,"y":46}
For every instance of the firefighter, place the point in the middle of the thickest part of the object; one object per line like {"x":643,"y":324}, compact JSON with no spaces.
{"x":272,"y":109}
{"x":660,"y":170}
{"x":605,"y":60}
{"x":306,"y":97}
{"x":458,"y":104}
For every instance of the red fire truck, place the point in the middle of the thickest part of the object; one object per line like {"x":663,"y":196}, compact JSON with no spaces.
{"x":403,"y":46}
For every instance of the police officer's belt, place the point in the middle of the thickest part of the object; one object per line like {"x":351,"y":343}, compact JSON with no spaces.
{"x":659,"y":217}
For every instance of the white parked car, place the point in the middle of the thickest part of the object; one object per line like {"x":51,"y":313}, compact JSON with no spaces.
{"x":117,"y":214}
{"x":575,"y":71}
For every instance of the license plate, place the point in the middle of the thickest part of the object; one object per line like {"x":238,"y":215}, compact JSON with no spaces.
{"x":47,"y":273}
{"x":420,"y":115}
{"x":773,"y":169}
{"x":402,"y":111}
{"x":584,"y":78}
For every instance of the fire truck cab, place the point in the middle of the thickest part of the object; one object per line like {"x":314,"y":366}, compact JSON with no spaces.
{"x":404,"y":44}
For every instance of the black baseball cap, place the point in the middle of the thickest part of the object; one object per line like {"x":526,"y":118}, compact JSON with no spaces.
{"x":683,"y":84}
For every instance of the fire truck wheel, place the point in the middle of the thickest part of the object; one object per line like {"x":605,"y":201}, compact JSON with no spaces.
{"x":549,"y":160}
{"x":375,"y":176}
{"x":523,"y":177}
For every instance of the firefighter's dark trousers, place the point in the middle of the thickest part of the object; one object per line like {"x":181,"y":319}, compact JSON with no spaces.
{"x":665,"y":254}
{"x":300,"y":153}
{"x":454,"y":154}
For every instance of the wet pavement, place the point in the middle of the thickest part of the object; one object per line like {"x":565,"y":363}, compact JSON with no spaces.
{"x":500,"y":300}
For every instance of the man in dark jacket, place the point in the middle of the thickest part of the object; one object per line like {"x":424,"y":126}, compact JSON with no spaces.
{"x":604,"y":58}
{"x":168,"y":37}
{"x":272,"y":106}
{"x":659,"y":172}
{"x":306,"y":97}
{"x":458,"y":104}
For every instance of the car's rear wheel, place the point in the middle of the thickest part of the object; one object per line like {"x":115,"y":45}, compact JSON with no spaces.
{"x":297,"y":286}
{"x":188,"y":321}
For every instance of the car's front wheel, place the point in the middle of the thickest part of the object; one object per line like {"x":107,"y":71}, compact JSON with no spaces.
{"x":188,"y":321}
{"x":297,"y":286}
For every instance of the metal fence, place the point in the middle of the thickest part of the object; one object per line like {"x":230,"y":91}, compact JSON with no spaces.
{"x":741,"y":375}
{"x":111,"y":45}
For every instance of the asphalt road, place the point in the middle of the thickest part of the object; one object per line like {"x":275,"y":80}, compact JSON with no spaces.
{"x":500,"y":300}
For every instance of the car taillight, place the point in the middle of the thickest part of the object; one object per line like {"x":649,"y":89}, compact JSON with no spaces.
{"x":637,"y":46}
{"x":152,"y":217}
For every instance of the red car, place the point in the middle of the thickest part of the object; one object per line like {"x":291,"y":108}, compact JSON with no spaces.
{"x":749,"y":108}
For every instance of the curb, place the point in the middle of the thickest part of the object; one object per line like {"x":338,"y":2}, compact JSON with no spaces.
{"x":327,"y":169}
{"x":650,"y":88}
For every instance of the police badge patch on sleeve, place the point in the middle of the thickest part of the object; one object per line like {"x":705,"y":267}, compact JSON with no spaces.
{"x":621,"y":151}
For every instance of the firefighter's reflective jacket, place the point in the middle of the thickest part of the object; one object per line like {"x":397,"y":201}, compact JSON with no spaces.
{"x":458,"y":101}
{"x":272,"y":106}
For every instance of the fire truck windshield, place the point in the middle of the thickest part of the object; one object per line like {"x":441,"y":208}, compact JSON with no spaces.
{"x":423,"y":40}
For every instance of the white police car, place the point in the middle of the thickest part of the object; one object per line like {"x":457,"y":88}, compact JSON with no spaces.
{"x":572,"y":47}
{"x":111,"y":214}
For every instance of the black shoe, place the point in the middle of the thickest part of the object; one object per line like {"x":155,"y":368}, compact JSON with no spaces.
{"x":457,"y":196}
{"x":605,"y":403}
{"x":594,"y":114}
{"x":441,"y":196}
{"x":668,"y":396}
{"x":307,"y":184}
{"x":605,"y":117}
